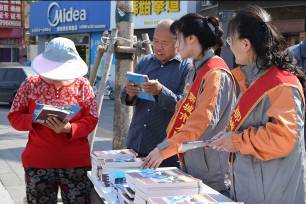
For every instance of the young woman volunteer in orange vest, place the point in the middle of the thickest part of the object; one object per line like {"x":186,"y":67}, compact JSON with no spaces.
{"x":207,"y":104}
{"x":265,"y":131}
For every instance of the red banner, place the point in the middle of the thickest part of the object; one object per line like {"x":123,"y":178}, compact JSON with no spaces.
{"x":10,"y":14}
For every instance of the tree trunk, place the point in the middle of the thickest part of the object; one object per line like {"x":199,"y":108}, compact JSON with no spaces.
{"x":124,"y":63}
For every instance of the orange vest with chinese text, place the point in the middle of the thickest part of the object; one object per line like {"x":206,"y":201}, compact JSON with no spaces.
{"x":272,"y":78}
{"x":188,"y":104}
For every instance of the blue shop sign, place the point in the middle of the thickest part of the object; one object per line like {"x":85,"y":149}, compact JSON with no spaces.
{"x":50,"y":17}
{"x":95,"y":40}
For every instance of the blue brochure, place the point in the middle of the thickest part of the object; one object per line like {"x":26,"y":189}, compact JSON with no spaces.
{"x":139,"y":79}
{"x":65,"y":113}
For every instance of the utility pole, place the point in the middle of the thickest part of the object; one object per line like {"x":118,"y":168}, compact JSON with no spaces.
{"x":124,"y":63}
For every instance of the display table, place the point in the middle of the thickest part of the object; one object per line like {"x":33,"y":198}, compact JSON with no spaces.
{"x":105,"y":194}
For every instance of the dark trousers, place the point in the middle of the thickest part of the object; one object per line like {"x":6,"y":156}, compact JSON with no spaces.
{"x":42,"y":185}
{"x":171,"y":162}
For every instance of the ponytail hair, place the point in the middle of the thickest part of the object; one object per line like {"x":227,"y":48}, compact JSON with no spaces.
{"x":206,"y":29}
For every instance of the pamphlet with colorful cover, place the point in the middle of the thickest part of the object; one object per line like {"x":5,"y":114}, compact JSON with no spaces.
{"x":116,"y":154}
{"x":195,"y":199}
{"x":65,"y":113}
{"x":186,"y":146}
{"x":103,"y":162}
{"x":122,"y":163}
{"x":139,"y":79}
{"x":148,"y":179}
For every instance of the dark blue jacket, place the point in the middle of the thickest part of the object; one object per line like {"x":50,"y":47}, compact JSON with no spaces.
{"x":299,"y":53}
{"x":150,"y":119}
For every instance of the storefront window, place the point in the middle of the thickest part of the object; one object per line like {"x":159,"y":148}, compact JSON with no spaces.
{"x":9,"y":55}
{"x":5,"y":54}
{"x":15,"y":55}
{"x":83,"y":52}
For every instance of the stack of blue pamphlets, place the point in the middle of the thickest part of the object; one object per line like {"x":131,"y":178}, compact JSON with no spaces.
{"x":139,"y":79}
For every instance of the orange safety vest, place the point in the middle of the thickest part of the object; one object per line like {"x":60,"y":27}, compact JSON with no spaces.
{"x":188,"y":105}
{"x":272,"y":78}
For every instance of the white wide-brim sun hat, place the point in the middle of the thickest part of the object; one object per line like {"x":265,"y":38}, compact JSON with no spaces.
{"x":60,"y":61}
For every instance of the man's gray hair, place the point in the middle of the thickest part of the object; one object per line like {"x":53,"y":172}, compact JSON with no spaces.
{"x":164,"y":24}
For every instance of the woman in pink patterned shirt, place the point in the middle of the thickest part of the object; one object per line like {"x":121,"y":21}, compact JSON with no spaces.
{"x":57,"y":154}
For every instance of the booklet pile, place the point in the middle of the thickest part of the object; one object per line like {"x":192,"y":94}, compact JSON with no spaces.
{"x":105,"y":162}
{"x":146,"y":183}
{"x":194,"y":199}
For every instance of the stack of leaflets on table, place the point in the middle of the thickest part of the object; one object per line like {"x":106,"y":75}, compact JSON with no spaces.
{"x":116,"y":154}
{"x":124,"y":198}
{"x":123,"y":195}
{"x":117,"y":177}
{"x":105,"y":180}
{"x":97,"y":158}
{"x":148,"y":183}
{"x":194,"y":199}
{"x":103,"y":162}
{"x":113,"y":164}
{"x":65,"y":113}
{"x":129,"y":192}
{"x":139,"y":79}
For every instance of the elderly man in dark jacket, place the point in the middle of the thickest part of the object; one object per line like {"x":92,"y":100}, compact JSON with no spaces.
{"x":166,"y":72}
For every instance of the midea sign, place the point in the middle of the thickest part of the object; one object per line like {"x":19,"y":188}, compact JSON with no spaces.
{"x":63,"y":15}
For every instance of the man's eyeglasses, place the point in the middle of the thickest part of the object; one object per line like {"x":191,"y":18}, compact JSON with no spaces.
{"x":229,"y":41}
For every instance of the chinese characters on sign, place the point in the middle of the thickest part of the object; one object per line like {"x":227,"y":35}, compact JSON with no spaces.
{"x":147,"y":7}
{"x":148,"y":13}
{"x":10,"y":13}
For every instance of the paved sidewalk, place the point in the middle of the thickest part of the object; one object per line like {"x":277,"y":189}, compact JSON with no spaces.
{"x":12,"y":143}
{"x":5,"y":197}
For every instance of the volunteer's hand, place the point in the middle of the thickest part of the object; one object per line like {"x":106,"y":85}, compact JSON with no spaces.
{"x":222,"y":142}
{"x":153,"y":160}
{"x":58,"y":126}
{"x":152,"y":87}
